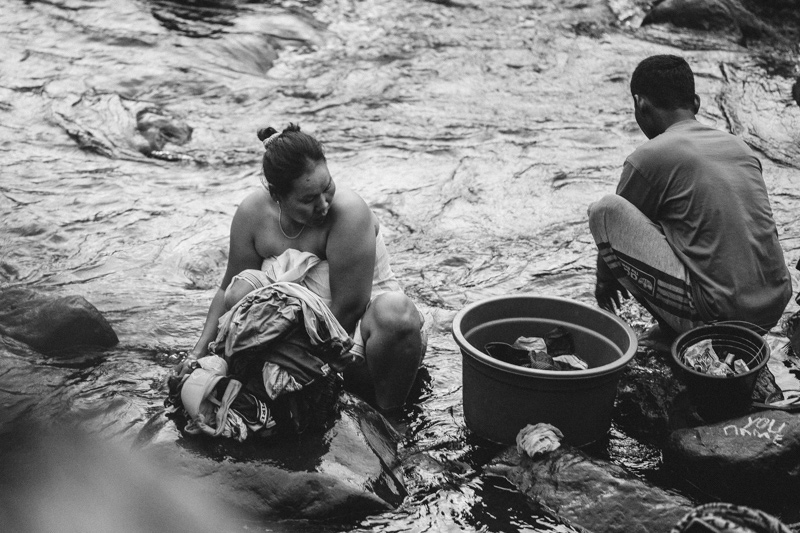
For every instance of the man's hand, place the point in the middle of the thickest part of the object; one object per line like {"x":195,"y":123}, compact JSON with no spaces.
{"x":609,"y":294}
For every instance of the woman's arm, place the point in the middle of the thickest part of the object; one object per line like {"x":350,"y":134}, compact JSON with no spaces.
{"x":215,"y":310}
{"x":242,"y":255}
{"x":351,"y":258}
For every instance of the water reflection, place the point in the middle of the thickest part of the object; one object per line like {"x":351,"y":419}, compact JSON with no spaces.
{"x":486,"y":504}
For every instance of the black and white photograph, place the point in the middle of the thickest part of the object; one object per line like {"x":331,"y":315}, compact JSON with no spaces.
{"x":400,"y":266}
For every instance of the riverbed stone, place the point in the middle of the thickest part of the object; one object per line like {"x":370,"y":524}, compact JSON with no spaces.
{"x":159,"y":129}
{"x":344,"y":471}
{"x":796,"y":91}
{"x":752,"y":459}
{"x":49,"y":323}
{"x":653,"y":399}
{"x":728,"y":16}
{"x":592,"y":493}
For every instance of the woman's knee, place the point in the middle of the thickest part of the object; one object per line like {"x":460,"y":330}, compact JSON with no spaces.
{"x":394,"y":311}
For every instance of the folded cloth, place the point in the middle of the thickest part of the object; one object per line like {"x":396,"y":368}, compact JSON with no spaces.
{"x":538,"y":439}
{"x":269,"y":314}
{"x":314,"y":273}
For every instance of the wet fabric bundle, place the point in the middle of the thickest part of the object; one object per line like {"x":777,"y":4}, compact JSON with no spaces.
{"x":276,"y":364}
{"x":538,"y":439}
{"x":554,"y":351}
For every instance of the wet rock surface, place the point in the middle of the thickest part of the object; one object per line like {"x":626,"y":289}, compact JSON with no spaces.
{"x":592,"y":493}
{"x":51,"y":323}
{"x":345,"y":471}
{"x":478,"y":131}
{"x":159,"y":130}
{"x":653,"y":398}
{"x":746,"y":21}
{"x":726,"y":16}
{"x":752,"y":459}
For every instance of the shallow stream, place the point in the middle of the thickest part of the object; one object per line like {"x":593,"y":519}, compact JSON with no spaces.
{"x":479,"y":131}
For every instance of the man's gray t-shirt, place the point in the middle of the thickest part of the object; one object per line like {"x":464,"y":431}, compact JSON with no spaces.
{"x":705,"y":189}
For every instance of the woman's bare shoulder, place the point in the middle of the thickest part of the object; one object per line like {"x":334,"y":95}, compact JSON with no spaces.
{"x":351,"y":207}
{"x":255,"y":204}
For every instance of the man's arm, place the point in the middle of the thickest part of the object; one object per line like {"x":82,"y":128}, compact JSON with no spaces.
{"x":638,"y":190}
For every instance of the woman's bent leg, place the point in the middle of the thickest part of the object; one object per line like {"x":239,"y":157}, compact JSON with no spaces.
{"x":394,"y":347}
{"x":639,"y":256}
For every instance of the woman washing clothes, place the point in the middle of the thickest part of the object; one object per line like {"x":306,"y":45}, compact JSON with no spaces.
{"x":300,"y":221}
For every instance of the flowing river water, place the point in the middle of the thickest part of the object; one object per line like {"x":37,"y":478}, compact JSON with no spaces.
{"x":479,"y":131}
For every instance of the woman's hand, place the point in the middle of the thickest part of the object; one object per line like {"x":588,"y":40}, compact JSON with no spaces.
{"x":186,"y":365}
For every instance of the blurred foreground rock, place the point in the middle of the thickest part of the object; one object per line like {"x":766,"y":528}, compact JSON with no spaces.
{"x":60,"y":478}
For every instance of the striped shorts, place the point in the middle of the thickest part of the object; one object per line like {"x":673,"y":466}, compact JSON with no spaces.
{"x":639,"y":256}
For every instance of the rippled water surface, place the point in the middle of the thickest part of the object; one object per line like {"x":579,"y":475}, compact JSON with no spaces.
{"x":478,"y":131}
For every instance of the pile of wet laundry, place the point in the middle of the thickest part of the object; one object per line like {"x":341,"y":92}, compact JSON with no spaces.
{"x":554,"y":351}
{"x":276,"y":365}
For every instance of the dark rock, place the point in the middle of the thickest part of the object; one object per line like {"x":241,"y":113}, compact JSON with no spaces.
{"x":752,"y":460}
{"x":742,"y":101}
{"x":783,"y":15}
{"x":49,"y":323}
{"x":728,"y":16}
{"x":592,"y":493}
{"x":159,"y":130}
{"x":651,"y":397}
{"x":344,"y":471}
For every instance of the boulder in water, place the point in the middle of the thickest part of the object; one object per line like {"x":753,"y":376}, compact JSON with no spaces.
{"x":343,"y":471}
{"x":753,"y":459}
{"x":728,"y":16}
{"x":49,"y":323}
{"x":653,"y":400}
{"x":591,"y":493}
{"x":160,"y":130}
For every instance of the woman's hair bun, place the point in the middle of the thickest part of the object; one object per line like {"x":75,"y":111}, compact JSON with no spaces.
{"x":266,"y":133}
{"x":291,"y":127}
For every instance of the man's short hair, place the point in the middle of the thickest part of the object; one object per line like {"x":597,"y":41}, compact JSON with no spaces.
{"x":666,"y":80}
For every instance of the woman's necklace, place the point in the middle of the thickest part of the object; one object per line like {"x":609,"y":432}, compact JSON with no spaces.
{"x":280,"y":225}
